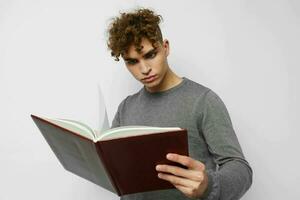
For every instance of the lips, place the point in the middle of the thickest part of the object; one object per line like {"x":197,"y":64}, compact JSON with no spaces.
{"x":148,"y":78}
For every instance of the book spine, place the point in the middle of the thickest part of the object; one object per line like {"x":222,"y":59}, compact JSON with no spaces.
{"x":106,"y":166}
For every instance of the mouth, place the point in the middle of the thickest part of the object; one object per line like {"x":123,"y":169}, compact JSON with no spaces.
{"x":149,"y":79}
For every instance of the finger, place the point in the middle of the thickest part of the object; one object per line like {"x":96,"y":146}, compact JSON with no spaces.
{"x":186,"y":161}
{"x":175,"y":180}
{"x":178,"y":171}
{"x":183,"y":189}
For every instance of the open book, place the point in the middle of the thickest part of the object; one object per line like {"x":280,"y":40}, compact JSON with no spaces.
{"x":121,"y":160}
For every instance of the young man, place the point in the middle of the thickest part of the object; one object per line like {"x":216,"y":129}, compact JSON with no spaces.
{"x":216,"y":167}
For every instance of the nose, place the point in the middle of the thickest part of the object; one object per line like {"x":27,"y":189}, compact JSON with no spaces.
{"x":145,"y":69}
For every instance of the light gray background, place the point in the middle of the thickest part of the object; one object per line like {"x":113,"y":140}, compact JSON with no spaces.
{"x":53,"y":54}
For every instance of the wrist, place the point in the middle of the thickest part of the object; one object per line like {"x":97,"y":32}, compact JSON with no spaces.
{"x":208,"y":185}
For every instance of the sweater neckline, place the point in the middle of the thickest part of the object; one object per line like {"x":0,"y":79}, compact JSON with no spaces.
{"x":165,"y":92}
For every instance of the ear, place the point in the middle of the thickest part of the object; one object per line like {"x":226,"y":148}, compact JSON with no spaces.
{"x":166,"y":46}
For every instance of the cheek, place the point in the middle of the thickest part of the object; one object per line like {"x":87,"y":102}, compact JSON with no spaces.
{"x":157,"y":64}
{"x":132,"y":70}
{"x":135,"y":73}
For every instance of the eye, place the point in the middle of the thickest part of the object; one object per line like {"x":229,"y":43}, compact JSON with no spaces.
{"x":131,"y":62}
{"x":152,"y":55}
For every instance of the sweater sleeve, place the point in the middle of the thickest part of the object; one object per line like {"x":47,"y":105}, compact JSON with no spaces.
{"x":117,"y":118}
{"x":116,"y":121}
{"x":233,"y":176}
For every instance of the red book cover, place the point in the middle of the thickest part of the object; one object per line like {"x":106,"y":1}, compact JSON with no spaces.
{"x":123,"y":165}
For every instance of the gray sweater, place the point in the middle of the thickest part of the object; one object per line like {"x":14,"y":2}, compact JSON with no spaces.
{"x":212,"y":139}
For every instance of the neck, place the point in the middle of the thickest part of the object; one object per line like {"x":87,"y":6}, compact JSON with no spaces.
{"x":169,"y":80}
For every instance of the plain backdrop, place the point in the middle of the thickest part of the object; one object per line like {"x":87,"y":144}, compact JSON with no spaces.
{"x":53,"y":55}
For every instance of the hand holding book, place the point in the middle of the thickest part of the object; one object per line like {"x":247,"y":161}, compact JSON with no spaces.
{"x":121,"y":160}
{"x":193,"y":181}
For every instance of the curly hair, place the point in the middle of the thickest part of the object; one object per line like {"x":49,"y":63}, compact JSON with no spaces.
{"x":129,"y":28}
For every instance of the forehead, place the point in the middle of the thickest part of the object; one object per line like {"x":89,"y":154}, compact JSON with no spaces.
{"x":146,"y":46}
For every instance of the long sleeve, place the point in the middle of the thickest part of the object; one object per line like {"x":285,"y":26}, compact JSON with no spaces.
{"x":117,"y":119}
{"x":233,"y":176}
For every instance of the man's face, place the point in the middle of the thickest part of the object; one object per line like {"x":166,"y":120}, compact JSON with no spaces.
{"x":150,"y":65}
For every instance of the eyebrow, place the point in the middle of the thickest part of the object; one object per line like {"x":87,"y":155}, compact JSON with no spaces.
{"x":145,"y":55}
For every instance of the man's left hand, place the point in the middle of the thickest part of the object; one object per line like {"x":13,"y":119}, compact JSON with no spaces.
{"x":192,"y":182}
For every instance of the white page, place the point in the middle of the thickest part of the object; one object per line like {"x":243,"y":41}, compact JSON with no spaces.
{"x":103,"y":119}
{"x":126,"y":131}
